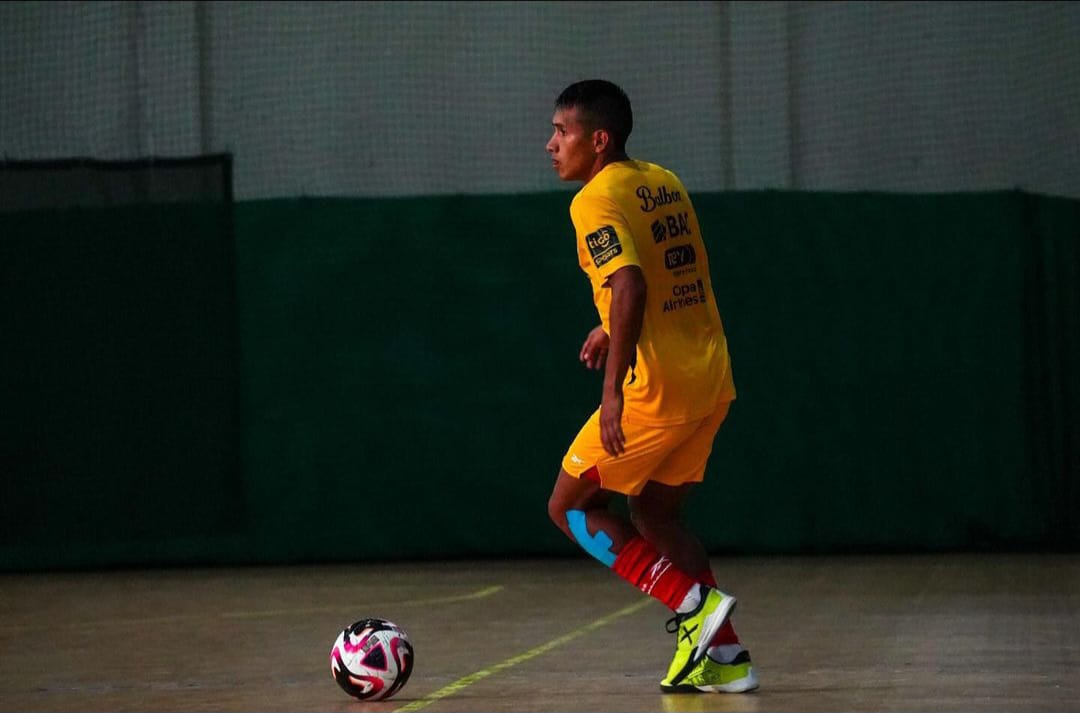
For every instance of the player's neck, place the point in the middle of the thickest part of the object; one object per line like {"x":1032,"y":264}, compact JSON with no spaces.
{"x":604,"y":160}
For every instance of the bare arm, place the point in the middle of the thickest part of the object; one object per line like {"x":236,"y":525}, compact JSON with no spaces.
{"x":627,"y":312}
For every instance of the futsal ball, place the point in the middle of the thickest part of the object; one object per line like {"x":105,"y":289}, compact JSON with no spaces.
{"x":372,"y":659}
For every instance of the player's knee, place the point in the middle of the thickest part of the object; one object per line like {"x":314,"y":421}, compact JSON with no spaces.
{"x":642,"y":522}
{"x":654,"y":528}
{"x":557,"y":512}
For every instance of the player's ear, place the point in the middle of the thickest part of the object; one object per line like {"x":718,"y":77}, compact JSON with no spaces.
{"x":601,"y":140}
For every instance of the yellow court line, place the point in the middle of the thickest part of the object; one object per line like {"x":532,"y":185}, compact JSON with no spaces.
{"x":177,"y":618}
{"x":472,"y":678}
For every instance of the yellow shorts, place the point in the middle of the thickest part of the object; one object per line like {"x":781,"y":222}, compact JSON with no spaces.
{"x":672,"y":455}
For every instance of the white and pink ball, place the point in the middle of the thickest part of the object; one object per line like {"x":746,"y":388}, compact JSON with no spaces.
{"x":372,"y":659}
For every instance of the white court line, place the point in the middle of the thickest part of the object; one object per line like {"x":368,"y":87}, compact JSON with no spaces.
{"x":248,"y":614}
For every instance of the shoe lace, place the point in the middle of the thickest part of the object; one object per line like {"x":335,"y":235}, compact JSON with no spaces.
{"x":671,"y":626}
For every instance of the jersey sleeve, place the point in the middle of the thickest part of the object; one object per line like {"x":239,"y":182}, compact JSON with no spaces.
{"x":603,"y":233}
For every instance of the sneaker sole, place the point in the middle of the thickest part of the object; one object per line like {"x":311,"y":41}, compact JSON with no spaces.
{"x":741,"y":685}
{"x":733,"y":687}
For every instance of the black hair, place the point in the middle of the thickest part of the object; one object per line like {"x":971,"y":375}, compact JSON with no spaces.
{"x":603,"y":106}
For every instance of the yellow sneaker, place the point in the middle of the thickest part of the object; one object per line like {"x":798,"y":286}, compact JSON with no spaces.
{"x":694,"y":631}
{"x":712,"y":677}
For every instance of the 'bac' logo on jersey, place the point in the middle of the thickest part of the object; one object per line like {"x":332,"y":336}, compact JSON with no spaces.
{"x":603,"y":245}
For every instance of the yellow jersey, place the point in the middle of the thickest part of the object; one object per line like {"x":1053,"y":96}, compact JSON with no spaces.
{"x":638,"y":213}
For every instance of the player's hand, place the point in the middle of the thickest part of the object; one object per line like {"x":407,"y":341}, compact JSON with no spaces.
{"x":611,"y":433}
{"x":594,"y":350}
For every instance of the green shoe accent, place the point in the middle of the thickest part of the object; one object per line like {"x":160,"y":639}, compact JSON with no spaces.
{"x":694,"y":631}
{"x":712,"y":677}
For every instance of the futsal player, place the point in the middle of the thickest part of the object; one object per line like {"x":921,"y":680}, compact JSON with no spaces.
{"x":667,"y":383}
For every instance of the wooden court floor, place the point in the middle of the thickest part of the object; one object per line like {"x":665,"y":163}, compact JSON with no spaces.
{"x":958,"y":633}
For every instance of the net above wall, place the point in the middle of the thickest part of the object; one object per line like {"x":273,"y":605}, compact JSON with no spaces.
{"x":84,"y":183}
{"x":936,"y":96}
{"x":386,"y":99}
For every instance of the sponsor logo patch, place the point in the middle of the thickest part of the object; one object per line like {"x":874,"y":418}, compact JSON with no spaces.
{"x":603,"y":245}
{"x":670,"y":226}
{"x":664,"y":196}
{"x":659,"y":232}
{"x":679,"y":256}
{"x":686,"y":295}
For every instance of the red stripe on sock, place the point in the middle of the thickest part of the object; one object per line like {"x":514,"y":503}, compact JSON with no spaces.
{"x":639,"y":563}
{"x":725,"y":635}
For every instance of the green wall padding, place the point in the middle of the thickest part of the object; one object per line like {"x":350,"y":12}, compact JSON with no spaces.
{"x":409,"y":372}
{"x":879,"y":359}
{"x":408,"y":381}
{"x":119,"y":421}
{"x":1052,"y":360}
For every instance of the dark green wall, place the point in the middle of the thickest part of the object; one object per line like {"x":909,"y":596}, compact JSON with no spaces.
{"x":407,"y":381}
{"x":119,"y":417}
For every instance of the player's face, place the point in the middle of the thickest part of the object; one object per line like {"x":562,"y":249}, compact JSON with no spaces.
{"x":573,"y":155}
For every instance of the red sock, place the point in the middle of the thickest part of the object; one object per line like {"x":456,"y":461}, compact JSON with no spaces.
{"x":639,"y":563}
{"x":726,"y":634}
